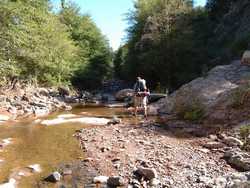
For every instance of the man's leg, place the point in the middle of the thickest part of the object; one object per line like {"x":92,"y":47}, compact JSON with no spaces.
{"x":135,"y":105}
{"x":144,"y":104}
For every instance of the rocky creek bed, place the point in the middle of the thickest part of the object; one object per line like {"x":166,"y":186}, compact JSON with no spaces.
{"x":146,"y":154}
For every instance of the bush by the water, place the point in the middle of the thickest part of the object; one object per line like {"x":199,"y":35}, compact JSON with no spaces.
{"x":245,"y":133}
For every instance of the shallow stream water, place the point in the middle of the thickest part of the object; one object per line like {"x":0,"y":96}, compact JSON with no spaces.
{"x":48,"y":146}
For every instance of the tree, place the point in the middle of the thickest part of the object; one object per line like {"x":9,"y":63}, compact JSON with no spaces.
{"x":34,"y":44}
{"x":119,"y":62}
{"x":218,"y":8}
{"x":162,"y":43}
{"x":94,"y":56}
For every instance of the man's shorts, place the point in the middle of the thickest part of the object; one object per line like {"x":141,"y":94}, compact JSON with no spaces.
{"x":140,"y":101}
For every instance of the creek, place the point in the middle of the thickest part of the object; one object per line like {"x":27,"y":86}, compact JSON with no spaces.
{"x":30,"y":142}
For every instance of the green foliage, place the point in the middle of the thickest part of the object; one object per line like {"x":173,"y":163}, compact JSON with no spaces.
{"x":240,"y":45}
{"x":94,"y":55}
{"x":34,"y":44}
{"x":49,"y":48}
{"x":245,"y":131}
{"x":190,"y":112}
{"x":119,"y":62}
{"x":240,"y":96}
{"x":159,"y":88}
{"x":172,"y":42}
{"x":218,"y":8}
{"x":166,"y":42}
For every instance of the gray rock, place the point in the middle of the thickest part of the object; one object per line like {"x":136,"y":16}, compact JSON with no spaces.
{"x":154,"y":182}
{"x":135,"y":183}
{"x":43,"y":92}
{"x":100,"y":179}
{"x":220,"y":182}
{"x":123,"y":94}
{"x":12,"y":110}
{"x":115,"y":181}
{"x":231,"y":141}
{"x":153,"y":97}
{"x":67,"y":107}
{"x":204,"y":179}
{"x":234,"y":180}
{"x":3,"y":98}
{"x":63,"y":91}
{"x":38,"y":104}
{"x":211,"y":93}
{"x":54,"y":177}
{"x":4,"y":117}
{"x":213,"y":137}
{"x":114,"y":121}
{"x":147,"y":173}
{"x":213,"y":145}
{"x":238,"y":159}
{"x":41,"y":111}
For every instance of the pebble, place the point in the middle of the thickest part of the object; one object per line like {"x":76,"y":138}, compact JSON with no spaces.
{"x":35,"y":168}
{"x":100,"y":179}
{"x":53,"y":177}
{"x":115,"y":181}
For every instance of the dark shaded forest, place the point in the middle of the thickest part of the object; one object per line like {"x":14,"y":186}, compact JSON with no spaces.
{"x":171,"y":42}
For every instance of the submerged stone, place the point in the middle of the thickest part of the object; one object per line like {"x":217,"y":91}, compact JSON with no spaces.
{"x":54,"y":177}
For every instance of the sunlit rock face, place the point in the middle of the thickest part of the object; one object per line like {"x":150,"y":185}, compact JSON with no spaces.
{"x":212,"y":93}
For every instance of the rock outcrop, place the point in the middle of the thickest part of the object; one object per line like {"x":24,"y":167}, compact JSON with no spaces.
{"x":212,"y":93}
{"x":123,"y":94}
{"x":234,"y":180}
{"x":31,"y":101}
{"x":238,"y":159}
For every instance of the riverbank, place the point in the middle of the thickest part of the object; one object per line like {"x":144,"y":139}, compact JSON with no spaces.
{"x":25,"y":102}
{"x":173,"y":159}
{"x":159,"y":152}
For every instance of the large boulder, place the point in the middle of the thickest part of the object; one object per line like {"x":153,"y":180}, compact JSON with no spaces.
{"x":147,"y":173}
{"x":43,"y":92}
{"x":115,"y":181}
{"x":245,"y":60}
{"x":63,"y":91}
{"x":4,"y":117}
{"x":232,"y":180}
{"x":212,"y":93}
{"x":153,"y":97}
{"x":123,"y":94}
{"x":232,"y":141}
{"x":238,"y":159}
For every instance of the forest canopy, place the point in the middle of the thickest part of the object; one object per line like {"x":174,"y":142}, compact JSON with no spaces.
{"x":41,"y":46}
{"x":171,"y":42}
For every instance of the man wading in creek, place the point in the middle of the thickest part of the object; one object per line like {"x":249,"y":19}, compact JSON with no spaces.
{"x":140,"y":96}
